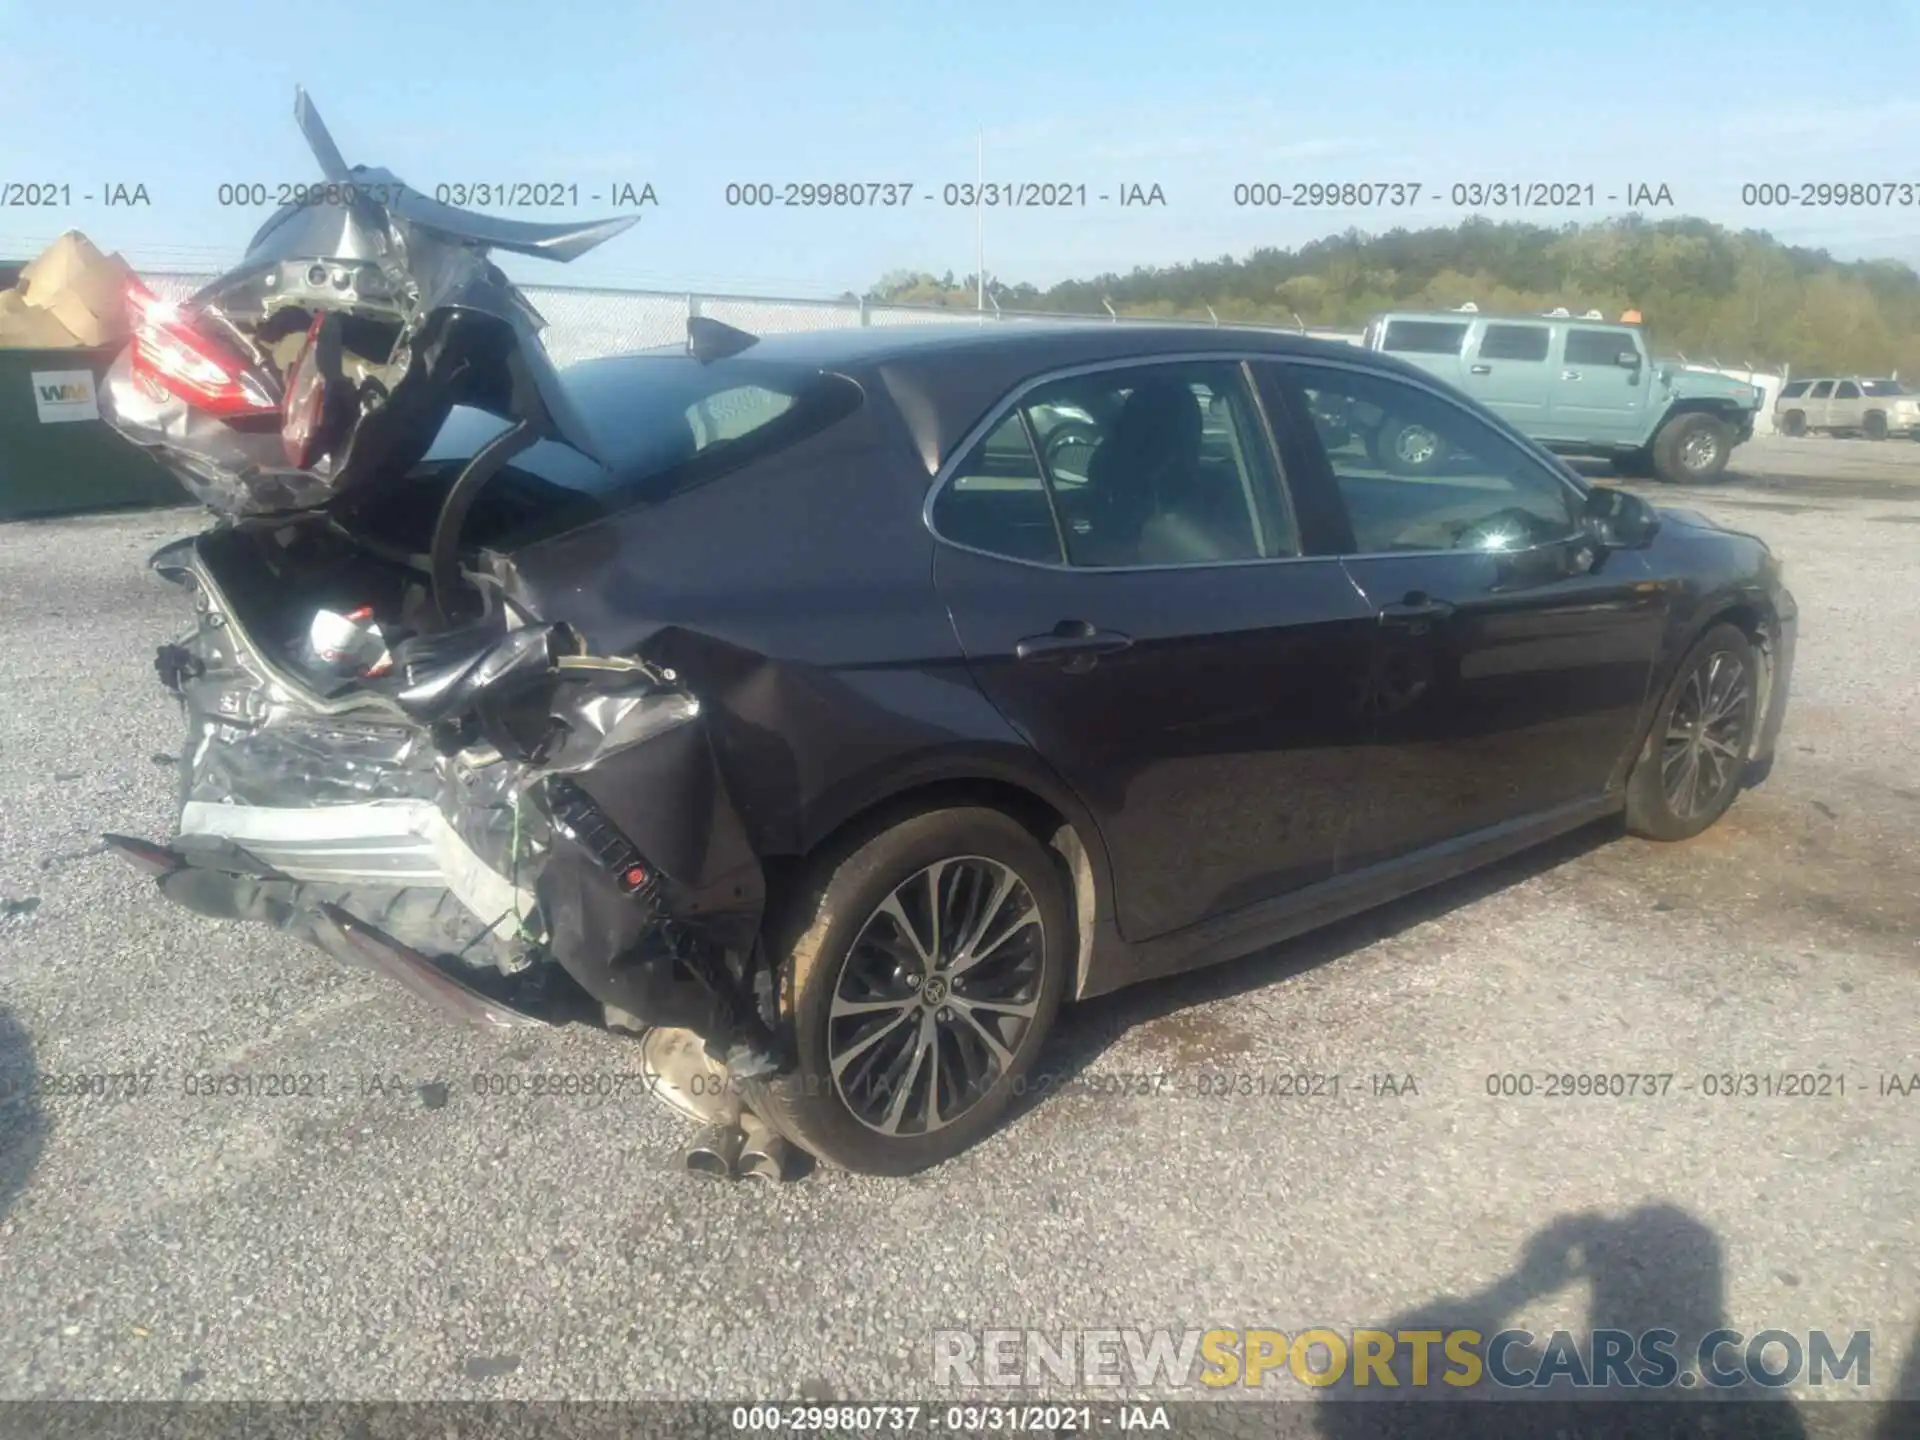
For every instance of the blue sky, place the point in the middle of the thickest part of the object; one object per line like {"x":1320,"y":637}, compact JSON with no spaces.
{"x":1194,"y":97}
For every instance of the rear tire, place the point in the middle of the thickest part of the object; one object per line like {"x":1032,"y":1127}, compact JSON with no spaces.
{"x":1692,"y":449}
{"x":1691,"y":765}
{"x":860,"y":958}
{"x":1794,"y":423}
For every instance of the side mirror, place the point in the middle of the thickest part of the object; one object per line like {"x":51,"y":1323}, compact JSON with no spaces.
{"x":1619,"y":519}
{"x":1628,"y":359}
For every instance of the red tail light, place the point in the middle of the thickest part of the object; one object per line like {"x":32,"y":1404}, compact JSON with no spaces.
{"x":168,"y":352}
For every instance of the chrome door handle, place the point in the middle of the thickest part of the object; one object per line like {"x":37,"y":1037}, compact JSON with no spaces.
{"x":1569,"y":374}
{"x":1480,"y":370}
{"x":1417,"y":610}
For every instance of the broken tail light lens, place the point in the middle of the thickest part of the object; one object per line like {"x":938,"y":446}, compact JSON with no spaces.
{"x":169,"y":353}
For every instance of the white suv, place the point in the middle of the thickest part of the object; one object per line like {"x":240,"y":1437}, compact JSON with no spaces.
{"x":1850,"y":405}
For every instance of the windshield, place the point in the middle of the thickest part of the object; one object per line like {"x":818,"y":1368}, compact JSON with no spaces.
{"x":1884,"y":387}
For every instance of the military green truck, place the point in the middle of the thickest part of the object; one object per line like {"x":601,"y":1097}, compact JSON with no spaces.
{"x":1578,"y":386}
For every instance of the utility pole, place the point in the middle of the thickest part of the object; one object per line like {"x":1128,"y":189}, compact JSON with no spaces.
{"x":980,"y":223}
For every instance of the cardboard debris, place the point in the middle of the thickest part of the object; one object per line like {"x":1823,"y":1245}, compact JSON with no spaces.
{"x":24,"y":328}
{"x":70,"y":296}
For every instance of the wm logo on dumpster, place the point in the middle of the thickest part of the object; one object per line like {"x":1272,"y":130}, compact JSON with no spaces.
{"x":61,"y":395}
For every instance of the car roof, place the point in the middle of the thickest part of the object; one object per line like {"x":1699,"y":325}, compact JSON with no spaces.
{"x":943,"y":379}
{"x":879,"y":344}
{"x":1505,"y":318}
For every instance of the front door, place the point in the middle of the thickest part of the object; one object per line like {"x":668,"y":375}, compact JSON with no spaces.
{"x":1512,"y":659}
{"x":1596,"y":399}
{"x":1136,"y":604}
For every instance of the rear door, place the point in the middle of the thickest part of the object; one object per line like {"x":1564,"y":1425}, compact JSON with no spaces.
{"x":1507,"y":371}
{"x":1510,"y":662}
{"x":1820,"y":405}
{"x":1596,"y":399}
{"x":1138,"y":605}
{"x":1847,"y":410}
{"x":1792,"y":399}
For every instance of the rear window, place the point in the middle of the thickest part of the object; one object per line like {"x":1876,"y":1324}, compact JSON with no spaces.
{"x":664,"y":423}
{"x":1424,"y":337}
{"x":1798,"y":387}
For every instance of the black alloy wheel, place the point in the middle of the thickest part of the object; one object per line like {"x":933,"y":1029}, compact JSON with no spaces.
{"x":920,"y":971}
{"x":1691,"y":767}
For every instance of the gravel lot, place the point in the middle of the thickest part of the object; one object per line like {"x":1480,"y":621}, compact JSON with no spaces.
{"x":417,"y":1240}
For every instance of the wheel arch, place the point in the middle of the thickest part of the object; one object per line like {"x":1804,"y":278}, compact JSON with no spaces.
{"x":1723,"y":410}
{"x":1747,"y":613}
{"x":1042,"y":806}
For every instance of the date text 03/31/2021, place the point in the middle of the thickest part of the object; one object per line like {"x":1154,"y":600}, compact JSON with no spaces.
{"x":876,"y":1419}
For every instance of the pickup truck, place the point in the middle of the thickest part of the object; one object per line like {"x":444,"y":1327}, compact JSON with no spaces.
{"x":1579,"y":387}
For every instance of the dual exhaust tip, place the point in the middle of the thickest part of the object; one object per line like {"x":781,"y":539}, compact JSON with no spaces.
{"x":733,"y":1143}
{"x":746,"y":1151}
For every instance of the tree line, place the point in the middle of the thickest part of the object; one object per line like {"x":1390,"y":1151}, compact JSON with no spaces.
{"x":1703,"y":290}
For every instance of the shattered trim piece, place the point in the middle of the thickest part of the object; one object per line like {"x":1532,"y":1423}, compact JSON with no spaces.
{"x":383,"y":842}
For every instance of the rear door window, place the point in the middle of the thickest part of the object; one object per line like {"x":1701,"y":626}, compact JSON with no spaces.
{"x":1514,"y":342}
{"x":997,"y":500}
{"x":1142,"y":465}
{"x":1822,"y":390}
{"x":1846,"y":390}
{"x":1424,"y":337}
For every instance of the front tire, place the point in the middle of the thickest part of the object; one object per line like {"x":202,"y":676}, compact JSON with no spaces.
{"x":1691,"y":765}
{"x":1409,"y":449}
{"x":1876,"y":426}
{"x":920,"y":973}
{"x":1692,"y":449}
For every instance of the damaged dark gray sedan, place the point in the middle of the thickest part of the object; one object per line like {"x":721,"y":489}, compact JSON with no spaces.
{"x":828,"y":709}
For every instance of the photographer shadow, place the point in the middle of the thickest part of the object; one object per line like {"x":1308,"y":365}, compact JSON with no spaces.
{"x":23,"y":1124}
{"x":1655,"y":1268}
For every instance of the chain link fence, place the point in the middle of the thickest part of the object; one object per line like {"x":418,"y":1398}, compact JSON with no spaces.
{"x":584,"y":323}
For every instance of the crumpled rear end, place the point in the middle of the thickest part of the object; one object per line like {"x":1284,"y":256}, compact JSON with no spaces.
{"x":515,"y":829}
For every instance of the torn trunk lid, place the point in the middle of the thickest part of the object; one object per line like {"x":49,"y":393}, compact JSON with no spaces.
{"x":333,"y":354}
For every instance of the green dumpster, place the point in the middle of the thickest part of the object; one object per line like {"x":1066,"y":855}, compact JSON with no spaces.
{"x":57,"y":455}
